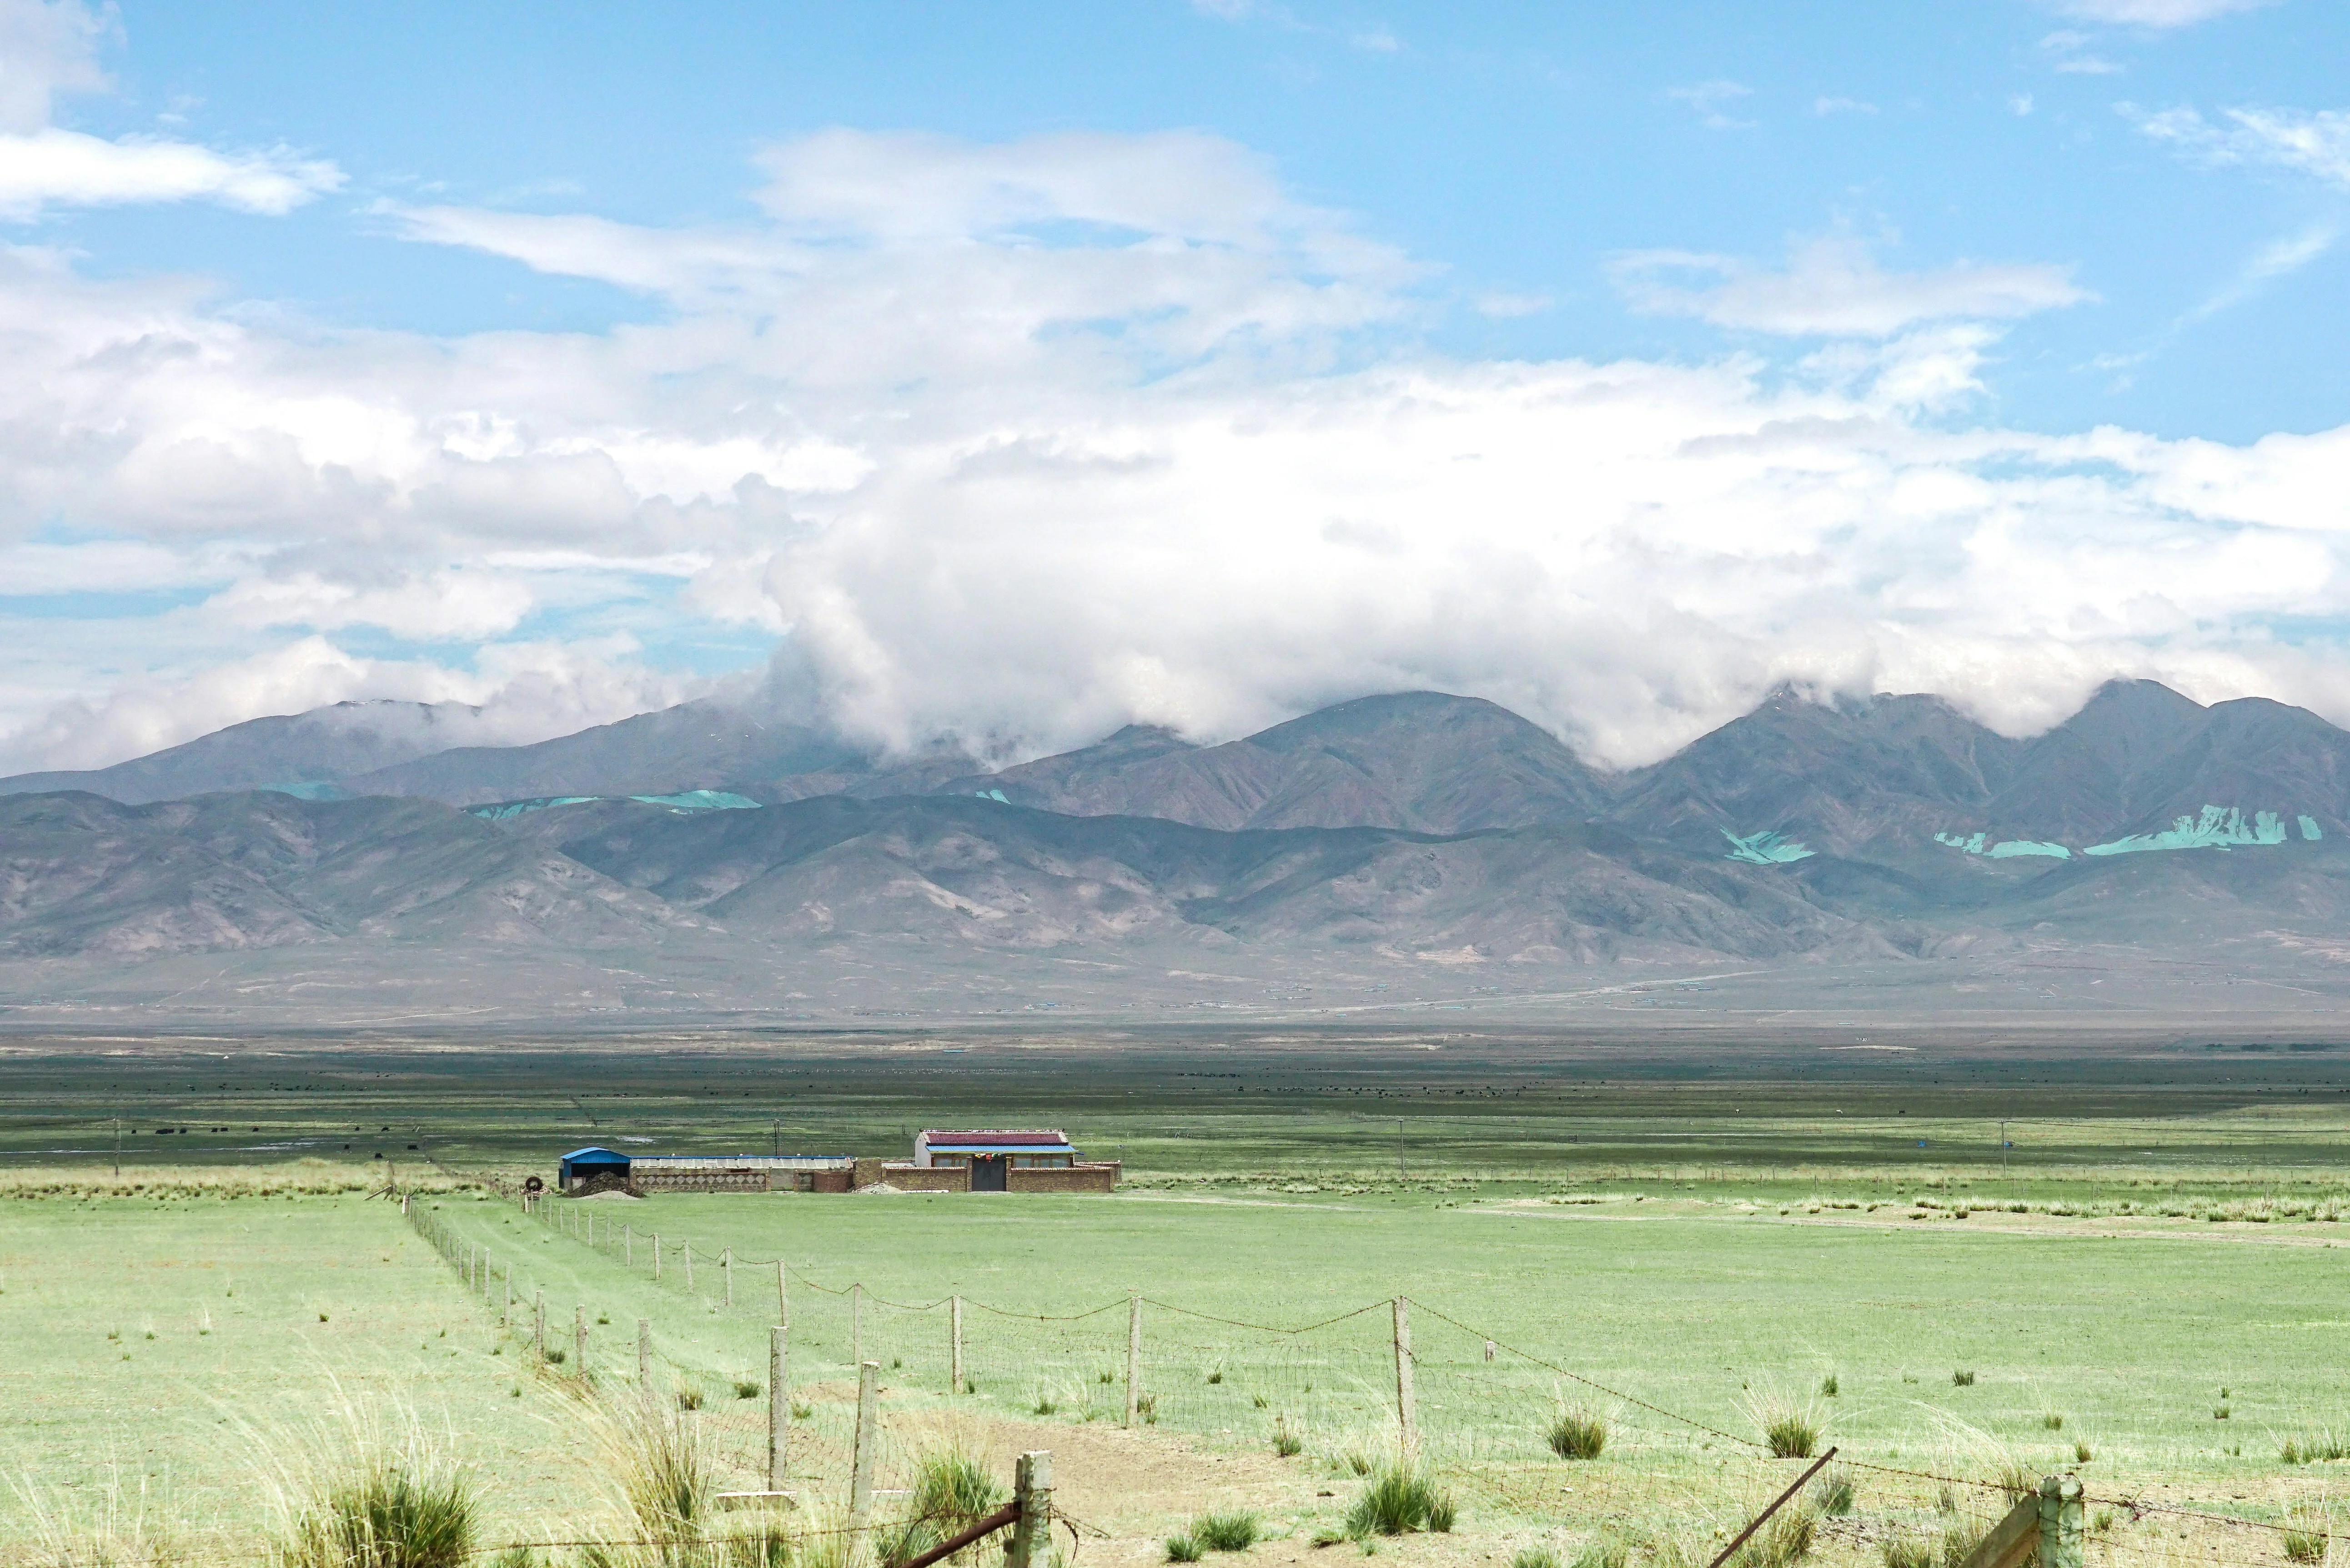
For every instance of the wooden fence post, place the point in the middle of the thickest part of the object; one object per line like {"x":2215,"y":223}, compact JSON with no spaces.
{"x":779,"y":1408}
{"x":1133,"y":1353}
{"x":954,"y":1359}
{"x":1032,"y":1533}
{"x":2060,"y":1522}
{"x":726,"y":1267}
{"x":538,"y":1317}
{"x":869,"y":1415}
{"x":1406,"y":1406}
{"x":644,"y":1356}
{"x":579,"y":1340}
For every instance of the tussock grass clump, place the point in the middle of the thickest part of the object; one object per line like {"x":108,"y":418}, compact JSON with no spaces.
{"x":688,"y":1396}
{"x":1400,"y":1499}
{"x":952,"y":1491}
{"x":663,"y":1471}
{"x":1835,"y":1493}
{"x":2305,"y":1536}
{"x":400,"y":1503}
{"x":1828,"y":1386}
{"x":1229,"y":1529}
{"x":1184,"y":1549}
{"x":2054,"y":1421}
{"x":2324,"y":1443}
{"x":1962,"y":1379}
{"x":1287,"y":1441}
{"x":1534,"y":1557}
{"x":1577,"y":1432}
{"x":1785,"y":1540}
{"x":1605,"y":1550}
{"x":1907,"y":1549}
{"x":746,"y":1389}
{"x":1790,"y":1428}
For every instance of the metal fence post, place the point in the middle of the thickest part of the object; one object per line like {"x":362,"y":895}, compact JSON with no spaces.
{"x":779,"y":1408}
{"x":1133,"y":1353}
{"x":2060,"y":1522}
{"x":955,"y":1319}
{"x":1406,"y":1406}
{"x":1032,"y":1534}
{"x":869,"y":1416}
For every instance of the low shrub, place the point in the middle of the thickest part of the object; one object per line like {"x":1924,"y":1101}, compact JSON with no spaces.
{"x":1577,"y":1432}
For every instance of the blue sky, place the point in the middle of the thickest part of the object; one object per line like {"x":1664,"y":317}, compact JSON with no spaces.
{"x":561,"y":359}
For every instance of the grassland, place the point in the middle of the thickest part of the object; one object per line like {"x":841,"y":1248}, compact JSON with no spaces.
{"x":2158,"y":1245}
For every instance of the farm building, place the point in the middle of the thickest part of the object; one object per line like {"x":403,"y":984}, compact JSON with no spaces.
{"x":983,"y":1160}
{"x":601,"y":1169}
{"x":994,"y":1159}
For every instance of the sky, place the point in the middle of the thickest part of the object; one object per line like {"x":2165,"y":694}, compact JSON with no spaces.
{"x":1002,"y":375}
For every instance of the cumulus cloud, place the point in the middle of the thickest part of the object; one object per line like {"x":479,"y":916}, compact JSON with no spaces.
{"x":2313,"y":142}
{"x":1712,"y":101}
{"x":1017,"y":443}
{"x":1834,"y":288}
{"x":50,"y":47}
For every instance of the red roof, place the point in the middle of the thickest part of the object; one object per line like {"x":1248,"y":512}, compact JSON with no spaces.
{"x":992,"y":1139}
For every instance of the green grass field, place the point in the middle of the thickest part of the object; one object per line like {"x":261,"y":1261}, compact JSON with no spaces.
{"x":2152,"y":1253}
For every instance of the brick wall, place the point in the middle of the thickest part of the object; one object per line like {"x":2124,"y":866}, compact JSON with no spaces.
{"x":1089,"y":1177}
{"x":912,"y":1177}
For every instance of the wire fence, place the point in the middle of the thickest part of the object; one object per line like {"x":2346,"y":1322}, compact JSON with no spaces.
{"x":1357,"y":1388}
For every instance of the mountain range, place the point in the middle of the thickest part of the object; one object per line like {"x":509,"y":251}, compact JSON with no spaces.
{"x":1417,"y":833}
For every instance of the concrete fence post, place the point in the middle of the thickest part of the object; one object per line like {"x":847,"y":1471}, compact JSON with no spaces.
{"x":657,"y":1254}
{"x":1133,"y":1354}
{"x":687,"y":1248}
{"x":783,"y":1294}
{"x":1032,"y":1533}
{"x":779,"y":1408}
{"x":538,"y":1321}
{"x":869,"y":1416}
{"x":2060,"y":1522}
{"x":505,"y":1318}
{"x":644,"y":1356}
{"x":579,"y":1340}
{"x":628,"y":1247}
{"x":1406,"y":1406}
{"x":726,"y":1267}
{"x":955,"y":1358}
{"x":856,"y":1324}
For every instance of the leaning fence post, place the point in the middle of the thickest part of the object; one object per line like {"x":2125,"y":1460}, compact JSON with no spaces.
{"x":538,"y":1319}
{"x":955,"y":1372}
{"x":1133,"y":1352}
{"x":579,"y":1340}
{"x":1406,"y":1406}
{"x":1031,"y":1488}
{"x":860,"y":1472}
{"x":726,"y":1267}
{"x":2060,"y":1522}
{"x":779,"y":1408}
{"x":644,"y":1356}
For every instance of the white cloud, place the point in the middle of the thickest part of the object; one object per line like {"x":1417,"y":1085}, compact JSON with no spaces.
{"x":1712,"y":101}
{"x":1503,"y":304}
{"x":2313,"y":142}
{"x":2068,"y":54}
{"x":1834,"y":288}
{"x":1023,"y":442}
{"x":53,"y":168}
{"x":1842,"y":106}
{"x":50,"y":47}
{"x":2158,"y":13}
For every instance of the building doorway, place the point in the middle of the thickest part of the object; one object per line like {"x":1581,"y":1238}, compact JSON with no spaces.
{"x":987,"y":1172}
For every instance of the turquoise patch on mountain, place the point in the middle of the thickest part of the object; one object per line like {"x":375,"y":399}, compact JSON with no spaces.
{"x":1764,"y":848}
{"x":2006,"y":850}
{"x":2310,"y":830}
{"x":688,"y":800}
{"x":2219,"y":827}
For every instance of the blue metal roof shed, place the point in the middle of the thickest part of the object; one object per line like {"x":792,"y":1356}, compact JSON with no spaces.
{"x":582,"y":1163}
